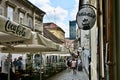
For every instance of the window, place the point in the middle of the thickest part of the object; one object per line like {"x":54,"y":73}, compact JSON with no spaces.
{"x":10,"y":13}
{"x":38,"y":21}
{"x":38,"y":25}
{"x":29,"y":21}
{"x":1,"y":11}
{"x":21,"y":18}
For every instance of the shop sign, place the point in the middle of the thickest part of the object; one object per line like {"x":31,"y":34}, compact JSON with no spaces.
{"x":13,"y":28}
{"x":16,"y":29}
{"x":86,"y":18}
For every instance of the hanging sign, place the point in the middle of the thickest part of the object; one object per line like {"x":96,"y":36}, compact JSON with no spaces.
{"x":86,"y":18}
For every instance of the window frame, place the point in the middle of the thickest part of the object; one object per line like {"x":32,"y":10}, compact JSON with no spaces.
{"x":9,"y":14}
{"x":30,"y":21}
{"x":21,"y":16}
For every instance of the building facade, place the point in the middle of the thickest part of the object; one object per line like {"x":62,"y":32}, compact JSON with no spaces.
{"x":111,"y":30}
{"x":72,"y":29}
{"x":55,"y":30}
{"x":108,"y":52}
{"x":24,"y":13}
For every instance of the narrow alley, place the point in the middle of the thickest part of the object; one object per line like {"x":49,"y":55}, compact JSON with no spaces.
{"x":40,"y":39}
{"x":68,"y":75}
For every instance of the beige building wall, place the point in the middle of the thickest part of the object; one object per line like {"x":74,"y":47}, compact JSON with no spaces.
{"x":93,"y":51}
{"x":27,"y":9}
{"x":93,"y":42}
{"x":85,"y":39}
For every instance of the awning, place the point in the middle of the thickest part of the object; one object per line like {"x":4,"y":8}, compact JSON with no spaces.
{"x":18,"y":38}
{"x":37,"y":43}
{"x":11,"y":31}
{"x":47,"y":42}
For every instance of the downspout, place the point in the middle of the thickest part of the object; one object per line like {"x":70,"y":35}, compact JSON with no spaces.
{"x":100,"y":40}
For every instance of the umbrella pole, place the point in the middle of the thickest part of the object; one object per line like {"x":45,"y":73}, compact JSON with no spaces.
{"x":40,"y":66}
{"x":9,"y":66}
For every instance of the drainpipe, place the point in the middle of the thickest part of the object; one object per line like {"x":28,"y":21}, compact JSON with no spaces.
{"x":100,"y":41}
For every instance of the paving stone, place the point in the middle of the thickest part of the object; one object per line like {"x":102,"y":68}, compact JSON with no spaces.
{"x":68,"y":75}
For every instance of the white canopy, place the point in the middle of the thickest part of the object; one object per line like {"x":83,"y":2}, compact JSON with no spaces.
{"x":37,"y":43}
{"x":22,"y":39}
{"x":12,"y":33}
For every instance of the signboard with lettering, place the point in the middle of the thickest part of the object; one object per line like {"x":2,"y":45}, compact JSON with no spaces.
{"x":13,"y":28}
{"x":86,"y":18}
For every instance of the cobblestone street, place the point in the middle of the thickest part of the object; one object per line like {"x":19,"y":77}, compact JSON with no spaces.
{"x":68,"y":75}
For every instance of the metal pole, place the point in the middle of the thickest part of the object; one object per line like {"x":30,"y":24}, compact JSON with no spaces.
{"x":90,"y":55}
{"x":9,"y":66}
{"x":40,"y":66}
{"x":80,"y":4}
{"x":101,"y":43}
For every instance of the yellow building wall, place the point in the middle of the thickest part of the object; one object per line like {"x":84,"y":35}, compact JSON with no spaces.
{"x":58,"y":33}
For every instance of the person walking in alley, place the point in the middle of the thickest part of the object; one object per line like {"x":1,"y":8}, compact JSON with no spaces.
{"x":15,"y":65}
{"x":74,"y":65}
{"x":79,"y":65}
{"x":20,"y":65}
{"x":68,"y":64}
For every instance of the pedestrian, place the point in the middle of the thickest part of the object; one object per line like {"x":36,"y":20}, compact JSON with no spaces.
{"x":79,"y":65}
{"x":5,"y":67}
{"x":68,"y":64}
{"x":20,"y":65}
{"x":15,"y":65}
{"x":74,"y":65}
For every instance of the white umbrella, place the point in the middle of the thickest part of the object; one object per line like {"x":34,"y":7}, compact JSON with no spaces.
{"x":17,"y":38}
{"x":37,"y":43}
{"x":12,"y":33}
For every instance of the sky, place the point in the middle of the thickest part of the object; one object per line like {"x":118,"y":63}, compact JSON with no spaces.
{"x":58,"y":11}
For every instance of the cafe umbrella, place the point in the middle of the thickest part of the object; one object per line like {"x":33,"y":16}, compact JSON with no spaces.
{"x":17,"y":38}
{"x":11,"y":33}
{"x":37,"y":43}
